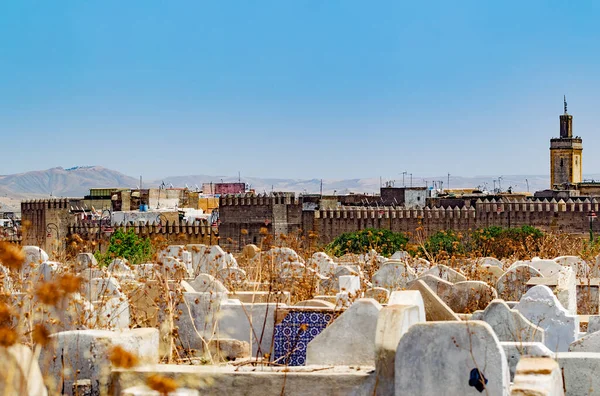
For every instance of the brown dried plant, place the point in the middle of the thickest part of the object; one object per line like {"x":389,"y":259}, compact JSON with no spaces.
{"x":119,"y":357}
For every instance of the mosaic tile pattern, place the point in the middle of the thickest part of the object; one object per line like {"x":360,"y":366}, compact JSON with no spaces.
{"x":294,"y":333}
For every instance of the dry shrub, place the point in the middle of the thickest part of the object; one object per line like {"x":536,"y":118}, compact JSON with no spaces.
{"x":40,"y":334}
{"x":161,"y":384}
{"x":119,"y":357}
{"x":11,"y":255}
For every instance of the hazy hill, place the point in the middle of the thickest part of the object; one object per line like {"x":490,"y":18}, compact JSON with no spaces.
{"x":76,"y":182}
{"x":60,"y":182}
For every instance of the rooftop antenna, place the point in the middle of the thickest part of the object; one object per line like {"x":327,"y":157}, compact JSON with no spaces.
{"x":565,"y":102}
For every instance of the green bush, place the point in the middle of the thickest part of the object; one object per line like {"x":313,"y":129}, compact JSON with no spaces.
{"x":127,"y":245}
{"x":444,"y":241}
{"x":504,"y":242}
{"x":385,"y":242}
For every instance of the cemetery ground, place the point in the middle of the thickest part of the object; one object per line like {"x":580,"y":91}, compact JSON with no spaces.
{"x":494,"y":312}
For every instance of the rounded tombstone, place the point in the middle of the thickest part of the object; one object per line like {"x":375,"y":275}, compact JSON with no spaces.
{"x":547,"y":268}
{"x":146,"y":271}
{"x":215,"y":259}
{"x":379,"y":294}
{"x":232,"y":277}
{"x":579,"y":265}
{"x":280,"y":255}
{"x":205,"y":283}
{"x":446,"y":273}
{"x":119,"y":265}
{"x":393,"y":276}
{"x":34,"y":256}
{"x":419,"y":265}
{"x":470,"y":296}
{"x":331,"y":283}
{"x":490,"y":273}
{"x":292,"y":270}
{"x":322,"y":263}
{"x":174,"y":268}
{"x":84,"y":261}
{"x":250,"y":251}
{"x":513,"y":283}
{"x":46,"y":270}
{"x":490,"y":261}
{"x":400,"y":255}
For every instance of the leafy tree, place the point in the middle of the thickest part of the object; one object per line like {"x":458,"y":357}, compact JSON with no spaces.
{"x":385,"y":242}
{"x":127,"y":245}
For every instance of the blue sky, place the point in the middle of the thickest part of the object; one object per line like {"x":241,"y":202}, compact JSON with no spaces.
{"x":299,"y":89}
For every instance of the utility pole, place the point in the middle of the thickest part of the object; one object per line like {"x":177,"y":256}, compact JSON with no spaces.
{"x":411,"y":179}
{"x":403,"y":183}
{"x":527,"y":181}
{"x":448,"y":185}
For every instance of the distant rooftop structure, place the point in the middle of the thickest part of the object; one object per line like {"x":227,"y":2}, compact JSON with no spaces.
{"x":223,"y":188}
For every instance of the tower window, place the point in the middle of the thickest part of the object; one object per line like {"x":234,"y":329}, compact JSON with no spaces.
{"x":561,"y":162}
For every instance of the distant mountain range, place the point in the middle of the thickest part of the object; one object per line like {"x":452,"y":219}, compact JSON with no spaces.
{"x":76,"y":182}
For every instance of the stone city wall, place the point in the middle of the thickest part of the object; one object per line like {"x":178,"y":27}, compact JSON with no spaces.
{"x":251,"y":213}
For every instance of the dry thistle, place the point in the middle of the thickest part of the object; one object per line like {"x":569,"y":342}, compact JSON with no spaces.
{"x":119,"y":357}
{"x":162,"y":385}
{"x":69,"y":283}
{"x":40,"y":334}
{"x":6,"y":314}
{"x":11,"y":256}
{"x":8,"y":336}
{"x":48,"y":293}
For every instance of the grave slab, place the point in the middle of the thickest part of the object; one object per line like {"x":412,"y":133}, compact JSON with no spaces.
{"x":473,"y":360}
{"x":350,"y":339}
{"x":435,"y":308}
{"x":541,"y":307}
{"x":538,"y":376}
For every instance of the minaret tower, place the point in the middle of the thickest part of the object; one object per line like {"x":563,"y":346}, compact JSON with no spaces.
{"x":565,"y":155}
